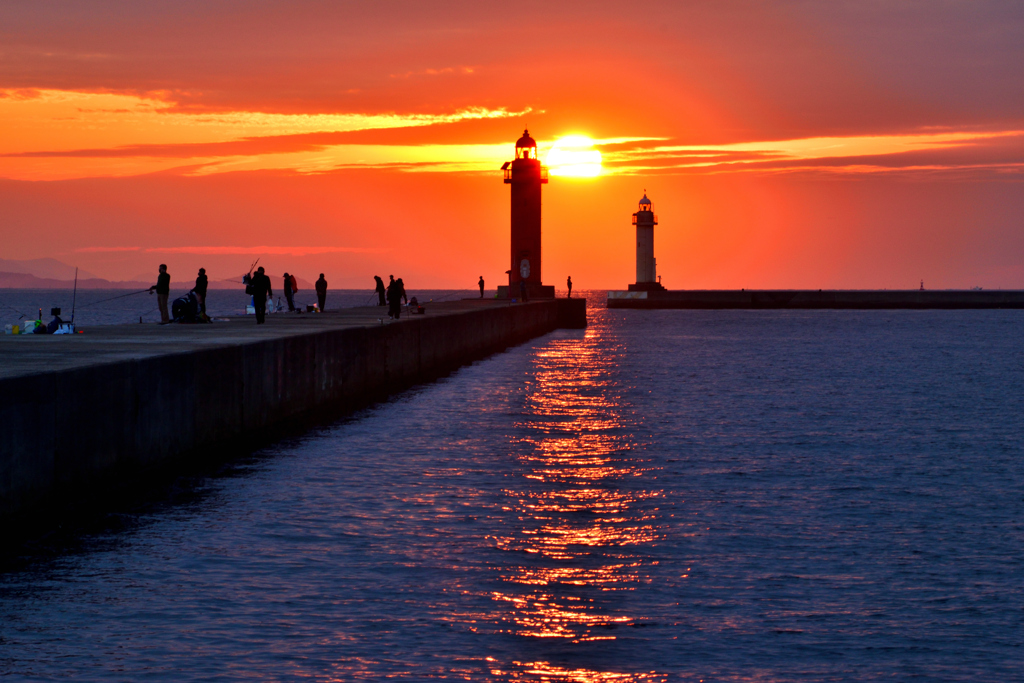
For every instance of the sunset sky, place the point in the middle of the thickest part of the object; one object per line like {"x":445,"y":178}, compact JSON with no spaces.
{"x":784,"y":144}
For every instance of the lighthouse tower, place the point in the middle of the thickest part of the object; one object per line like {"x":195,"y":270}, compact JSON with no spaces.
{"x":526,"y":174}
{"x":646,"y":264}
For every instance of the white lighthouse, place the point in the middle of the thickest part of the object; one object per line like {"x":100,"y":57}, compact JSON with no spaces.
{"x":646,"y":265}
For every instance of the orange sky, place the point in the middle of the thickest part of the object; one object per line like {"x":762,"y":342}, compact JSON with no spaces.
{"x":784,"y":144}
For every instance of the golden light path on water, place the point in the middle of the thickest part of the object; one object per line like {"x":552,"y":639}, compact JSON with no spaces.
{"x":578,"y":527}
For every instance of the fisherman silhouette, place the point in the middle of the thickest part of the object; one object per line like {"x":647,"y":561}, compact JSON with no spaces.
{"x":321,"y":292}
{"x":394,"y":293}
{"x":260,"y":286}
{"x":202,"y":283}
{"x":481,"y":283}
{"x":162,"y":289}
{"x":289,"y":293}
{"x":568,"y":282}
{"x":381,"y":291}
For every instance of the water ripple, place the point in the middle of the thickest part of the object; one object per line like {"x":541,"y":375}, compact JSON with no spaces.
{"x":716,"y":496}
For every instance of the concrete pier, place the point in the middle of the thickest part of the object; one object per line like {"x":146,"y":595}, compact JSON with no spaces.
{"x":122,"y":403}
{"x":817,"y":299}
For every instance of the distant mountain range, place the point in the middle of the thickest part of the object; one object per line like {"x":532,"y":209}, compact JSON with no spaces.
{"x":27,"y":281}
{"x":47,"y":268}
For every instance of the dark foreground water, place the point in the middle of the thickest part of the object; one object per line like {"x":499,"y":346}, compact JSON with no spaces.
{"x":668,"y":495}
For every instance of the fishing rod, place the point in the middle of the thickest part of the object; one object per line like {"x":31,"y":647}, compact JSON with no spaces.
{"x":23,"y":315}
{"x":122,"y":296}
{"x":459,"y":292}
{"x":74,"y":299}
{"x":247,"y":278}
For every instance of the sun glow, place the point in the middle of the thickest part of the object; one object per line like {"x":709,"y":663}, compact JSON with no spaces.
{"x":574,"y":156}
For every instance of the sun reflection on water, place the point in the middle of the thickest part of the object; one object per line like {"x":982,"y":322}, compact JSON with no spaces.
{"x":584,"y":522}
{"x":544,"y":671}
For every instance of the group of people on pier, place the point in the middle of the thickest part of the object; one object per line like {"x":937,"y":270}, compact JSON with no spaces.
{"x":392,"y":296}
{"x":257,"y":284}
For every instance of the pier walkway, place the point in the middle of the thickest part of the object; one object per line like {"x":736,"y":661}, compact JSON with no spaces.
{"x":99,"y":344}
{"x":119,"y":404}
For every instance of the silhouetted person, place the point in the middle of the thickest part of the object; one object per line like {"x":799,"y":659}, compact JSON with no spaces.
{"x":401,"y":290}
{"x":395,"y":299}
{"x":202,"y":283}
{"x":260,"y":285}
{"x":288,"y":293}
{"x":481,"y":284}
{"x":522,"y":291}
{"x":568,"y":283}
{"x":321,"y":292}
{"x":162,"y":289}
{"x":381,"y":292}
{"x":54,"y":324}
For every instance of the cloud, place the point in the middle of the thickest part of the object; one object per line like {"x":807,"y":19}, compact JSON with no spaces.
{"x":470,"y":140}
{"x":63,"y":134}
{"x":117,"y":120}
{"x":234,"y":251}
{"x":262,"y":250}
{"x":464,"y":70}
{"x":927,"y":152}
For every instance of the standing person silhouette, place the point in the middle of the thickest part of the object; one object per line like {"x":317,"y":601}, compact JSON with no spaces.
{"x":321,"y":292}
{"x":289,"y":294}
{"x":394,"y":299}
{"x":260,"y":285}
{"x":162,"y":289}
{"x":481,"y":284}
{"x":381,"y":292}
{"x":568,"y":283}
{"x":202,"y":283}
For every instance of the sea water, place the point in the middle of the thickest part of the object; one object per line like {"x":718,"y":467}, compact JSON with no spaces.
{"x":666,"y":495}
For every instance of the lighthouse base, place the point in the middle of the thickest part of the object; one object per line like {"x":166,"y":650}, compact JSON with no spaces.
{"x":533,"y":291}
{"x":647,"y":287}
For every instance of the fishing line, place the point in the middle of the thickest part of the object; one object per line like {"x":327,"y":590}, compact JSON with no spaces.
{"x":23,"y":315}
{"x":461,"y":292}
{"x":93,"y":303}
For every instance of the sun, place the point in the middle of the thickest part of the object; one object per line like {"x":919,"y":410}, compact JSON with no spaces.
{"x":574,"y":156}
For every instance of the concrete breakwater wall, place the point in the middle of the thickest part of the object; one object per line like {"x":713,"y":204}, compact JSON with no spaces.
{"x":818,"y":299}
{"x":72,"y":432}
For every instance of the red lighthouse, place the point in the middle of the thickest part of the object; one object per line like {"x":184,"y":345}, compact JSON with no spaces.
{"x":526,"y":174}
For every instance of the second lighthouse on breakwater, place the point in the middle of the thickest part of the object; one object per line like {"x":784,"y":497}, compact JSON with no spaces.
{"x":646,"y":265}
